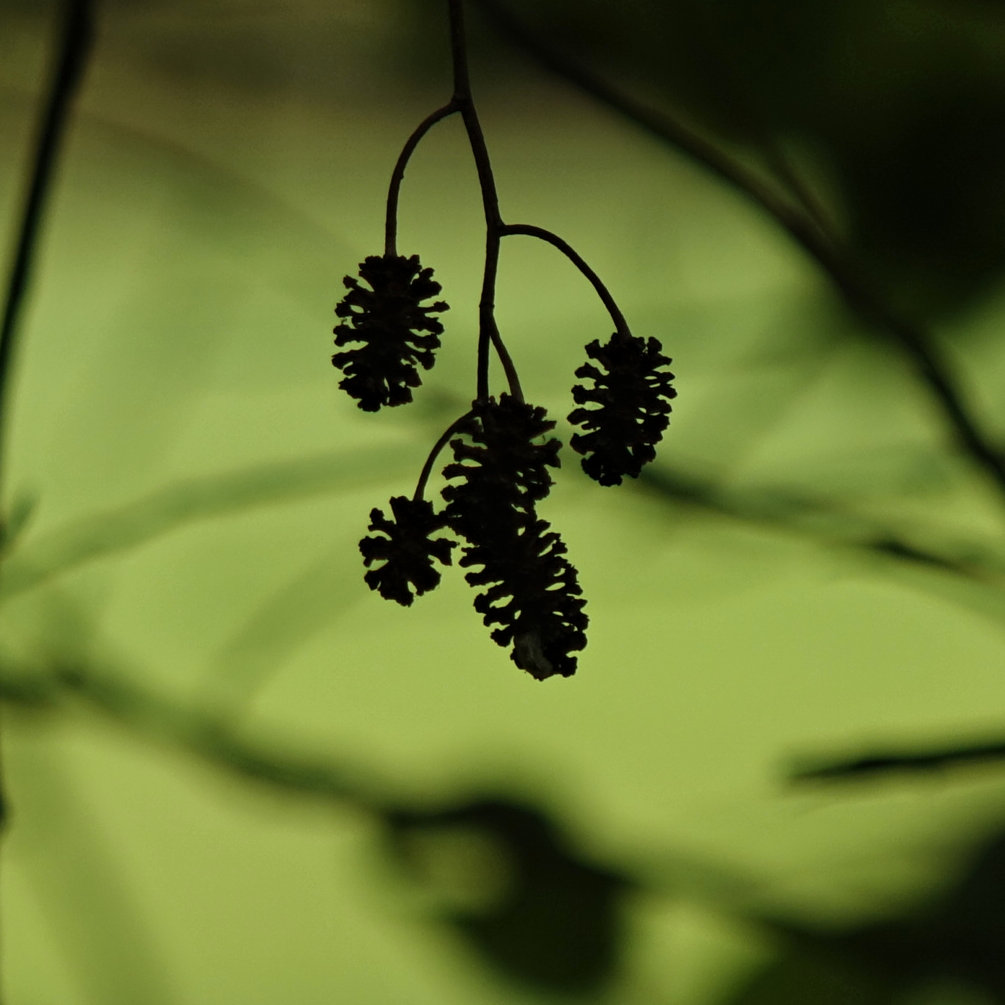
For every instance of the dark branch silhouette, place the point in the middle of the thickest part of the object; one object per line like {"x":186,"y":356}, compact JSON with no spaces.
{"x":76,"y":36}
{"x":804,"y":227}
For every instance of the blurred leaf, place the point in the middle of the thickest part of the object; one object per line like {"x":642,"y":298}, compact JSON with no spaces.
{"x":551,"y":918}
{"x":955,"y":938}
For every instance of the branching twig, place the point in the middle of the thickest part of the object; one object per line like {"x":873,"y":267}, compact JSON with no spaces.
{"x":828,"y":524}
{"x":860,"y":294}
{"x":488,"y":330}
{"x":531,"y":230}
{"x":658,"y":124}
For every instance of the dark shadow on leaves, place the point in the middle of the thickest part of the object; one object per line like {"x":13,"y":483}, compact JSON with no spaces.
{"x":893,"y":104}
{"x":552,"y":919}
{"x":955,"y":939}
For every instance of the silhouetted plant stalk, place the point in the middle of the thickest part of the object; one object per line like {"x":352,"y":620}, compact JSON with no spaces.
{"x":501,"y":447}
{"x":74,"y":46}
{"x":76,"y":32}
{"x":793,"y":208}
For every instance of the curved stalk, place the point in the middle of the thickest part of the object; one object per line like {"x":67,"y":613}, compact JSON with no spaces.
{"x":530,"y":230}
{"x":427,"y":468}
{"x":398,"y":174}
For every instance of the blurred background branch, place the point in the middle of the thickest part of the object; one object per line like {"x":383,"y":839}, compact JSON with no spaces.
{"x":812,"y":558}
{"x":797,"y":212}
{"x":75,"y":36}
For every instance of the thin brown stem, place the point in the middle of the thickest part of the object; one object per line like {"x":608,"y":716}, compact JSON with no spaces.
{"x":530,"y":230}
{"x":398,"y":174}
{"x":427,"y":468}
{"x":488,"y":330}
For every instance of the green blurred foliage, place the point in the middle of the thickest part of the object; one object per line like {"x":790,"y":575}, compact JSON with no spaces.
{"x":236,"y":776}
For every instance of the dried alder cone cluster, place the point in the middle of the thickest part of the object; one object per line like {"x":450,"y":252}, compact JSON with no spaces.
{"x":502,"y":455}
{"x":503,"y":450}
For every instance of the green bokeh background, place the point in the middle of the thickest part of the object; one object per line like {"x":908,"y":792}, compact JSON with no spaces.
{"x":196,"y":487}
